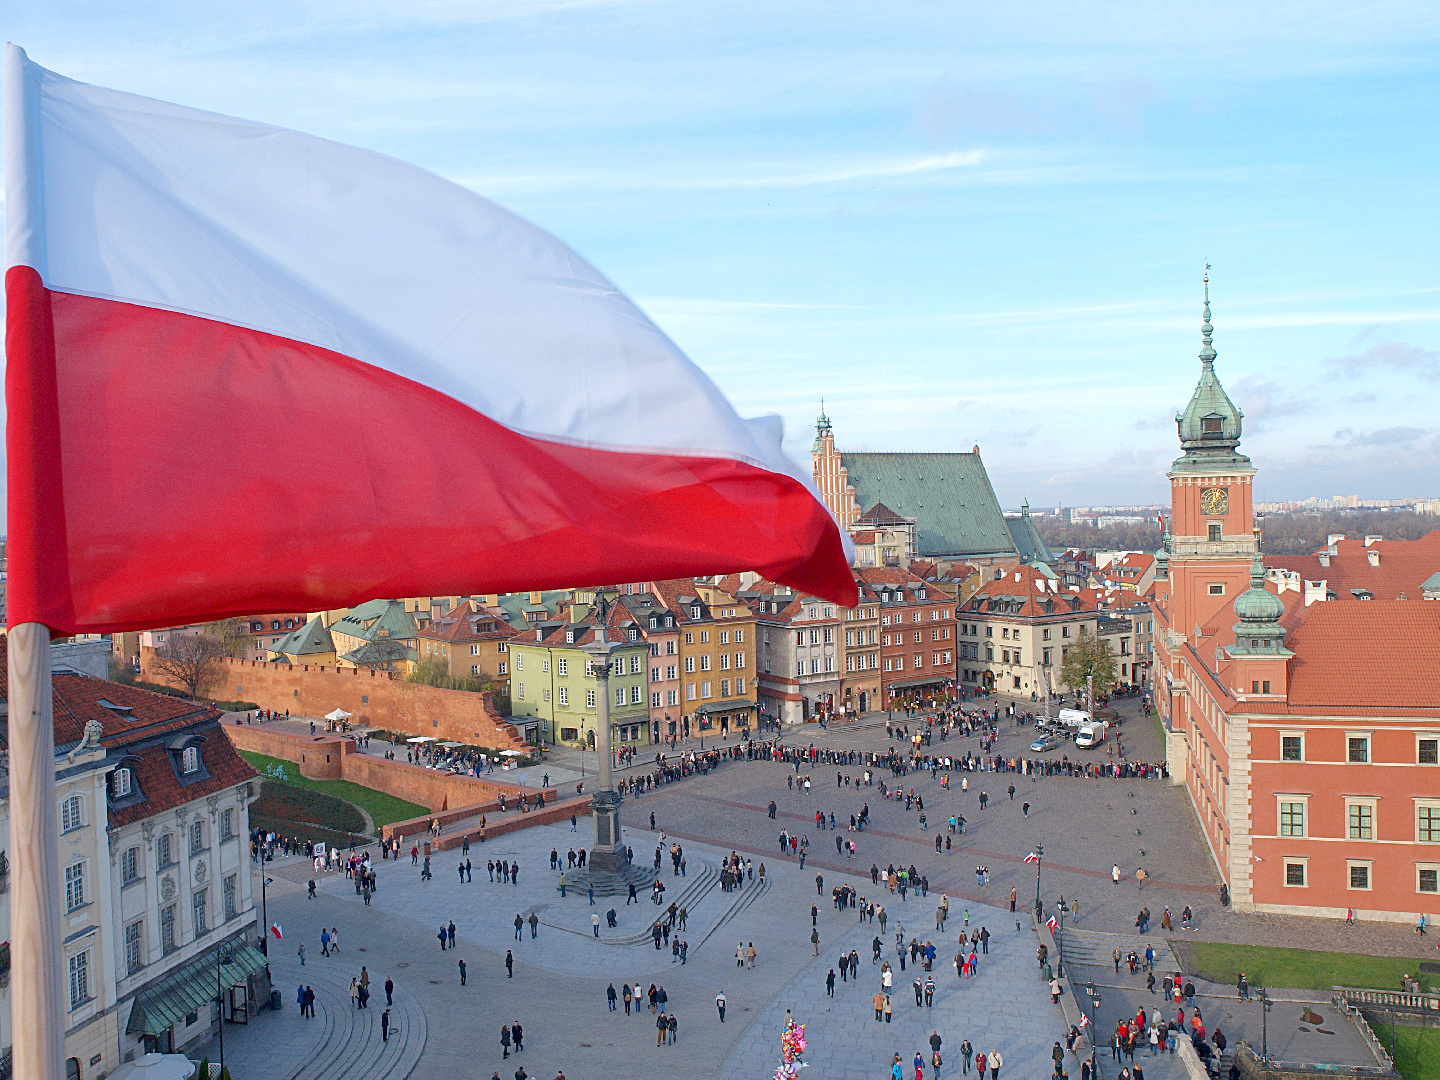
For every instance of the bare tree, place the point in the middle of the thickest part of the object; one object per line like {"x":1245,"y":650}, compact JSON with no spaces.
{"x":233,"y":635}
{"x":192,"y":660}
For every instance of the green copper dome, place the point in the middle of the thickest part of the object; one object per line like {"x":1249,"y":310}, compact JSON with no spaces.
{"x":1258,"y":604}
{"x":1210,"y":426}
{"x":1259,"y":631}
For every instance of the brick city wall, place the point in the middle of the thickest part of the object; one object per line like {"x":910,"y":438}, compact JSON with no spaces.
{"x":331,"y":757}
{"x":371,"y":696}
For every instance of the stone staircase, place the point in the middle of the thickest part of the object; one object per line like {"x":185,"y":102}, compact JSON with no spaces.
{"x":1095,"y":949}
{"x":340,"y":1043}
{"x":702,"y":878}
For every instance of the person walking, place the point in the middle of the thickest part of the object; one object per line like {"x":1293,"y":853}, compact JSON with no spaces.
{"x":610,"y":996}
{"x":385,"y":1026}
{"x":750,"y":955}
{"x":509,"y":964}
{"x":505,"y":1041}
{"x":462,"y":972}
{"x":830,"y":983}
{"x":815,"y":942}
{"x":324,"y":942}
{"x":302,"y":954}
{"x":519,"y":927}
{"x":517,"y":1035}
{"x":720,"y":1005}
{"x":354,"y":992}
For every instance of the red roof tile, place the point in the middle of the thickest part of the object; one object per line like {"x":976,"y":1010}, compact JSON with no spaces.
{"x":1381,"y":653}
{"x":1404,"y":564}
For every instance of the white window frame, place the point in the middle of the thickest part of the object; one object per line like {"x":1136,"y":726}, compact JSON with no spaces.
{"x":1369,"y":747}
{"x":130,"y":865}
{"x":190,"y":760}
{"x":1304,"y":801}
{"x":564,"y":696}
{"x":590,"y":697}
{"x":79,"y":968}
{"x":72,"y":814}
{"x":1299,"y":734}
{"x":1427,"y":736}
{"x":1427,"y":804}
{"x":75,"y":886}
{"x":1288,"y":861}
{"x":1362,"y":802}
{"x":1369,"y":865}
{"x":135,"y":946}
{"x":124,"y":782}
{"x":1419,"y":866}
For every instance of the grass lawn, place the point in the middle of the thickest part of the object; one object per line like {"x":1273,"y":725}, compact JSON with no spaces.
{"x":291,"y":802}
{"x":1417,"y":1050}
{"x":1298,"y":968}
{"x":381,"y":807}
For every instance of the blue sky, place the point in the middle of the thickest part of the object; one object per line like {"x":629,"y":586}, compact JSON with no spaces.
{"x":957,"y":225}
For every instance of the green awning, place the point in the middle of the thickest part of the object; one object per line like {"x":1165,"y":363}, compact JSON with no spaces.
{"x":160,"y":1006}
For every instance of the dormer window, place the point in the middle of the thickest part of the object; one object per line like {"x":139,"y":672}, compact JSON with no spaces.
{"x":654,"y":622}
{"x":190,"y":760}
{"x":121,"y":783}
{"x":694,"y":611}
{"x":669,"y":620}
{"x":1212,"y":425}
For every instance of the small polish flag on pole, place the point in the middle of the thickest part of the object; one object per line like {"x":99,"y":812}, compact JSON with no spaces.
{"x":277,"y":931}
{"x":1050,"y":924}
{"x":1032,"y":857}
{"x":1084,"y":1020}
{"x":1160,"y":519}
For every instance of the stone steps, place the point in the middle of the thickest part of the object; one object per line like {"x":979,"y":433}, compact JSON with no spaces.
{"x":350,"y":1046}
{"x":1091,"y":947}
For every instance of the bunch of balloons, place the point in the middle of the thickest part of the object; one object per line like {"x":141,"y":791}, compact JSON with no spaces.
{"x":792,"y":1049}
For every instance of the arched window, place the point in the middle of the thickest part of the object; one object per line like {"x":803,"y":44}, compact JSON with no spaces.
{"x":120,"y":784}
{"x":165,"y":850}
{"x":197,"y":837}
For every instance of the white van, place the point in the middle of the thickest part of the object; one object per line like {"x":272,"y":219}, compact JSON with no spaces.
{"x":1074,"y":717}
{"x":1091,"y":734}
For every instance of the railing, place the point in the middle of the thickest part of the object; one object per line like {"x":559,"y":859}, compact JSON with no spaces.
{"x":1393,"y":999}
{"x":1342,"y":1002}
{"x":1212,"y":547}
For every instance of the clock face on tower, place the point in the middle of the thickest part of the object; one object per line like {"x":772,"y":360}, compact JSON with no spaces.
{"x":1215,"y":502}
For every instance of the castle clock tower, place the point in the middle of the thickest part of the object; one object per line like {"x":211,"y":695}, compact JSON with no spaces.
{"x":1211,"y":504}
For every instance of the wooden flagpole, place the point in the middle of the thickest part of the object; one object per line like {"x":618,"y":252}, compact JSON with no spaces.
{"x":37,"y":1001}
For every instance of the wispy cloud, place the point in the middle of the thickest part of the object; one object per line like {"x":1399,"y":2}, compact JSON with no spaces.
{"x":1390,"y":356}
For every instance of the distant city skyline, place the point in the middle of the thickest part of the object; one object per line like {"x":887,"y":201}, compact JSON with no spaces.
{"x":986,"y":228}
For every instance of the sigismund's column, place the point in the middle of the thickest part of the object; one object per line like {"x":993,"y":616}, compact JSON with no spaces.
{"x":608,"y":855}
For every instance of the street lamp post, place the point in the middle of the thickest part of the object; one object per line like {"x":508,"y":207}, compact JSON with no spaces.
{"x":222,"y":956}
{"x":1094,"y":995}
{"x":1039,"y":857}
{"x":1264,"y":996}
{"x":265,"y":879}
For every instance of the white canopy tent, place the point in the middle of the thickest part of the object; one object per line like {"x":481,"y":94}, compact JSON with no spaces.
{"x":156,"y":1067}
{"x":338,"y":714}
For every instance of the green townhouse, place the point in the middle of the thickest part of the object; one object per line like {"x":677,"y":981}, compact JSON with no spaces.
{"x":552,"y":680}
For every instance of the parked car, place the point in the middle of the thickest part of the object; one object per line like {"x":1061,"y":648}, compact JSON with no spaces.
{"x":1045,"y":742}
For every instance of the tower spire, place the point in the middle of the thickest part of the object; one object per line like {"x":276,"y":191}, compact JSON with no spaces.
{"x":1207,"y":350}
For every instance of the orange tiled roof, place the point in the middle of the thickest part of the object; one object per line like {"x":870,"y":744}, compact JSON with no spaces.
{"x":1404,"y":564}
{"x":1381,"y":653}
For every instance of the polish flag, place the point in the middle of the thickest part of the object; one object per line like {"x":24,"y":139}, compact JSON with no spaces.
{"x":1032,"y":857}
{"x":275,"y":929}
{"x":1160,"y":519}
{"x":253,"y":370}
{"x":1050,"y":924}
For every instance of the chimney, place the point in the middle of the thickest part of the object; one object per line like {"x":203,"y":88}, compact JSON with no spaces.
{"x":1331,"y":540}
{"x":1313,"y":591}
{"x":1325,"y":558}
{"x":1373,"y":556}
{"x":535,"y":598}
{"x":1372,"y":538}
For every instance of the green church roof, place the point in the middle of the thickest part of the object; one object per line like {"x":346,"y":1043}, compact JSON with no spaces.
{"x":948,"y":495}
{"x":1028,"y":541}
